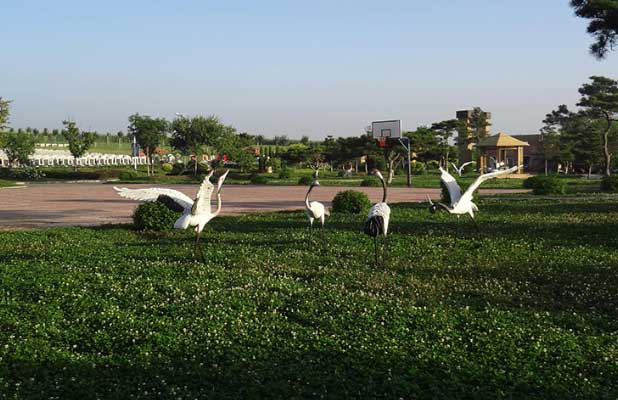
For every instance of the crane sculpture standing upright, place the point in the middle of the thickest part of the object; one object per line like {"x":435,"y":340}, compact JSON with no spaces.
{"x":196,"y":213}
{"x":315,"y":209}
{"x":462,"y":203}
{"x":378,"y":217}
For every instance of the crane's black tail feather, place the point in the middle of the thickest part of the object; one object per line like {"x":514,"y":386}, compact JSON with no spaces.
{"x":374,"y":226}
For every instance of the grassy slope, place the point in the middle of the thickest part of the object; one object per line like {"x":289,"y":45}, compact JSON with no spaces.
{"x":5,"y":183}
{"x":527,"y":308}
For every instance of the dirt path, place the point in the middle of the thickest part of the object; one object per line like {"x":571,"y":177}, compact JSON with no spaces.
{"x":66,"y":204}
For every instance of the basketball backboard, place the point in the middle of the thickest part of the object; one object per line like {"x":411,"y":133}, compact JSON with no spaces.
{"x":386,"y":129}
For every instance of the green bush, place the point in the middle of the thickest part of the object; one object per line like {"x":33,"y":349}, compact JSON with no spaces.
{"x":305,"y":180}
{"x":370,"y":181}
{"x":351,"y":202}
{"x":418,"y":169}
{"x":178,"y":168}
{"x":22,"y":174}
{"x":433,"y":164}
{"x":610,"y":184}
{"x":166,"y":167}
{"x":128,"y":175}
{"x":285,"y":173}
{"x":259,"y":179}
{"x":545,"y":185}
{"x":154,"y":216}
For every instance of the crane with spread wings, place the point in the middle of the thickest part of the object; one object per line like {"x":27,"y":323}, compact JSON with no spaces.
{"x":195,"y":213}
{"x":461,"y":203}
{"x":460,"y":169}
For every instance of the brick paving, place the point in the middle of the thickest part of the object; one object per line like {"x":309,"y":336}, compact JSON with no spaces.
{"x":85,"y":204}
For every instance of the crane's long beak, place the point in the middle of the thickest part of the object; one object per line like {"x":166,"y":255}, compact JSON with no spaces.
{"x":221,"y":180}
{"x":429,"y":200}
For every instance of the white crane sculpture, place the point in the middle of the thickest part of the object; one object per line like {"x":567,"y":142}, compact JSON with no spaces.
{"x":462,"y":166}
{"x":196,"y":213}
{"x":315,"y":209}
{"x":462,"y":203}
{"x":378,"y":217}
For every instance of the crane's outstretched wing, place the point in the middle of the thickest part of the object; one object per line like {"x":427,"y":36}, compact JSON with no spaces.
{"x":202,"y":201}
{"x":152,"y":194}
{"x":454,"y":190}
{"x":485,"y":177}
{"x":467,"y":163}
{"x":455,"y":167}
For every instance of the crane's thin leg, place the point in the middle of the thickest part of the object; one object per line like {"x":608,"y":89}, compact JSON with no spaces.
{"x":385,"y":251}
{"x":375,"y":242}
{"x":198,"y":248}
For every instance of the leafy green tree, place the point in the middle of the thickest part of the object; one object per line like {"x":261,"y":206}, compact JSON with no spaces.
{"x":600,"y":101}
{"x":18,"y":147}
{"x":190,"y":136}
{"x":603,"y":26}
{"x":305,"y":140}
{"x":572,"y":138}
{"x":4,"y":113}
{"x":444,"y":131}
{"x":148,"y":132}
{"x":79,"y":142}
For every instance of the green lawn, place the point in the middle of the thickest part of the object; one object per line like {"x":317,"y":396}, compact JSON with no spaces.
{"x":5,"y":183}
{"x":526,"y":307}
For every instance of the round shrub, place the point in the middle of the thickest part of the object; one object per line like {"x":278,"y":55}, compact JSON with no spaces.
{"x":167,"y":167}
{"x":285,"y":173}
{"x":610,"y":184}
{"x":154,"y":216}
{"x":433,"y":164}
{"x":418,"y":168}
{"x":128,"y":175}
{"x":351,"y":202}
{"x":369,"y":181}
{"x":305,"y":180}
{"x":258,"y":179}
{"x":545,"y":185}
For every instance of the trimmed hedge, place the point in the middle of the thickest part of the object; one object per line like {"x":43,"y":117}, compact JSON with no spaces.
{"x":370,"y":181}
{"x":285,"y":173}
{"x":305,"y":180}
{"x":259,"y":179}
{"x":610,"y":184}
{"x":351,"y":202}
{"x":154,"y":216}
{"x":545,"y":185}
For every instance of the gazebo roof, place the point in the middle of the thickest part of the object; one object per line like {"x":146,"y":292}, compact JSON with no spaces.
{"x":501,"y":140}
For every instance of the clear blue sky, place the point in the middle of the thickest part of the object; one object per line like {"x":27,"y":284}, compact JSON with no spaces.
{"x":291,"y":67}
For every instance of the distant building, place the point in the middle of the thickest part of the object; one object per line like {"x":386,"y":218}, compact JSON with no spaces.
{"x":534,"y":156}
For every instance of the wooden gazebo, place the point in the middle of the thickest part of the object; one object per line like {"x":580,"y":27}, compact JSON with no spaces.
{"x":500,"y":145}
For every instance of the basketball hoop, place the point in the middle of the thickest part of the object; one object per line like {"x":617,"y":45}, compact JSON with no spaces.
{"x":382,"y":142}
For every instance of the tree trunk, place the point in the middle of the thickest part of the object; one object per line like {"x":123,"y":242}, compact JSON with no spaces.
{"x":195,"y":166}
{"x":546,"y":167}
{"x":74,"y":163}
{"x":147,"y":162}
{"x":608,"y":155}
{"x":589,"y":171}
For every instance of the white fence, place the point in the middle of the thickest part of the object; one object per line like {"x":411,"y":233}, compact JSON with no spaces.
{"x":63,"y":158}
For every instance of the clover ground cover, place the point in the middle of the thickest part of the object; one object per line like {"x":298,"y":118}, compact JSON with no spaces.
{"x":524,"y":307}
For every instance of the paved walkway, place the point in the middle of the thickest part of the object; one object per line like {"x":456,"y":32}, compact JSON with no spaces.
{"x":70,"y":204}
